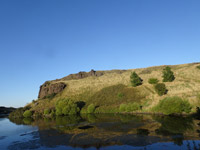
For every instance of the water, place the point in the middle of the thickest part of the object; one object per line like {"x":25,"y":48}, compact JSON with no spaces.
{"x":102,"y":132}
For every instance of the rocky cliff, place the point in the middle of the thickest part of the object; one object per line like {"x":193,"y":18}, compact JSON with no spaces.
{"x":49,"y":88}
{"x":83,"y":74}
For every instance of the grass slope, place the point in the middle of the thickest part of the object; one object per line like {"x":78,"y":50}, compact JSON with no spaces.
{"x":114,"y":88}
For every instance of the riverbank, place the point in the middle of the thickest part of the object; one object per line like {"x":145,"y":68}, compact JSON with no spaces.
{"x":5,"y":111}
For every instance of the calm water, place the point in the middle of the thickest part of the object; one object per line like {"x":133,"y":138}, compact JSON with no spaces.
{"x":103,"y":132}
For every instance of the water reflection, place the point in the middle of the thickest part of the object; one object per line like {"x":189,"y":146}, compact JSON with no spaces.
{"x":107,"y":130}
{"x":175,"y":127}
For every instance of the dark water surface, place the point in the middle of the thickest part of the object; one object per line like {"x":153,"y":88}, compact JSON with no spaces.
{"x":103,"y":132}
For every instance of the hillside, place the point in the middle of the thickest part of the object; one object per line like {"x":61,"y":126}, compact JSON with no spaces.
{"x":107,"y":90}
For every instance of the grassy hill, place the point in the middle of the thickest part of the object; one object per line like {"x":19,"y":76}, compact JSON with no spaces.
{"x":109,"y":91}
{"x":112,"y":92}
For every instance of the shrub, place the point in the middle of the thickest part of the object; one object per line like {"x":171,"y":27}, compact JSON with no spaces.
{"x":50,"y":96}
{"x":132,"y":107}
{"x":83,"y":111}
{"x":198,"y":67}
{"x":129,"y":107}
{"x":120,"y":95}
{"x":27,"y":114}
{"x":66,"y":107}
{"x":91,"y":108}
{"x":18,"y":113}
{"x":160,"y":88}
{"x":46,"y":111}
{"x":122,"y":108}
{"x":135,"y":79}
{"x":168,"y":75}
{"x":153,"y":81}
{"x":172,"y":105}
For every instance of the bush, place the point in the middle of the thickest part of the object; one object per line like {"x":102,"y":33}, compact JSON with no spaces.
{"x":132,"y":107}
{"x":46,"y":111}
{"x":153,"y":81}
{"x":135,"y":79}
{"x":160,"y":88}
{"x":27,"y":114}
{"x":168,"y":75}
{"x":173,"y":105}
{"x":91,"y":108}
{"x":198,"y":67}
{"x":122,"y":108}
{"x":18,"y":113}
{"x":50,"y":96}
{"x":120,"y":95}
{"x":129,"y":107}
{"x":66,"y":107}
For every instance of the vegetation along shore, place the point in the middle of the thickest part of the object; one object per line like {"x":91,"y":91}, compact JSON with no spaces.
{"x":168,"y":90}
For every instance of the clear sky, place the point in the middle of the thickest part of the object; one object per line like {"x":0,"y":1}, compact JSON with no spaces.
{"x":48,"y":39}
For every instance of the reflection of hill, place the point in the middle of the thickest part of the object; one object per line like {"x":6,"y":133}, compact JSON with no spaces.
{"x":52,"y":138}
{"x":106,"y":130}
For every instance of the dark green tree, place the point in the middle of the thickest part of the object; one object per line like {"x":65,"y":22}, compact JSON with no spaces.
{"x":161,"y":89}
{"x":135,"y":79}
{"x":168,"y":75}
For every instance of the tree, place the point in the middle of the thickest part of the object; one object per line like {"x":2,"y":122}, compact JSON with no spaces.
{"x":135,"y":79}
{"x":168,"y":75}
{"x":161,"y":89}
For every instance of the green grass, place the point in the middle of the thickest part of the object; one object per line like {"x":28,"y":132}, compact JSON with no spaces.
{"x":110,"y":95}
{"x":130,"y":107}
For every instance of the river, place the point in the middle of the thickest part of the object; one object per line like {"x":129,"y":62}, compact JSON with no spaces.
{"x":102,"y":132}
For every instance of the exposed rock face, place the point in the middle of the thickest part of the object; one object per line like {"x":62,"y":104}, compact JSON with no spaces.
{"x":82,"y":75}
{"x":51,"y":88}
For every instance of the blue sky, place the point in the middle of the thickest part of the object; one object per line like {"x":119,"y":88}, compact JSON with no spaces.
{"x":48,"y":39}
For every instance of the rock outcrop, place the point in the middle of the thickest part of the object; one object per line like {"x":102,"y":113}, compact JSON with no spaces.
{"x":49,"y":88}
{"x":82,"y":75}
